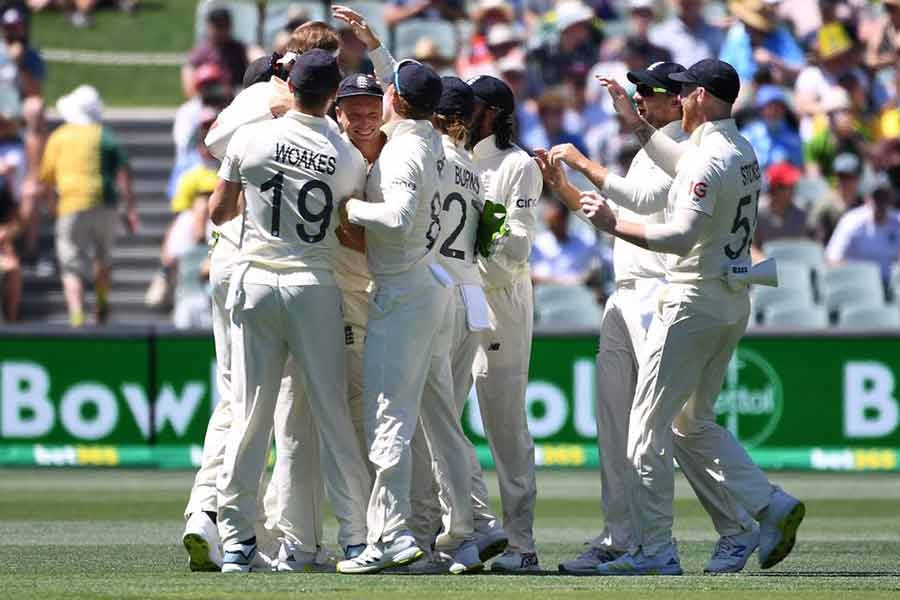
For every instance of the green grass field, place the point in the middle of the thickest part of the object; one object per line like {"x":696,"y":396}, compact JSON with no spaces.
{"x":77,"y":534}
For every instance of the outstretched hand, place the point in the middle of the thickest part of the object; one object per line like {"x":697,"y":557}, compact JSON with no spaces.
{"x":358,"y":24}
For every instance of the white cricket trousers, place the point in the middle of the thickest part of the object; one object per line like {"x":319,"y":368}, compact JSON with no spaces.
{"x":356,"y":315}
{"x":307,"y":530}
{"x":501,"y":378}
{"x":629,"y":312}
{"x":270,"y":323}
{"x":406,"y":315}
{"x":442,"y":476}
{"x":682,"y":366}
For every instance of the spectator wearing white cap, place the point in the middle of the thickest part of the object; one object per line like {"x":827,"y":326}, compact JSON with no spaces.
{"x":576,"y":41}
{"x":687,"y":34}
{"x":846,"y":195}
{"x":870,"y":232}
{"x":477,"y":58}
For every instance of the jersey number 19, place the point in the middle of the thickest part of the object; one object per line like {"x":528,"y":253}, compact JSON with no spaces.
{"x":322,"y":218}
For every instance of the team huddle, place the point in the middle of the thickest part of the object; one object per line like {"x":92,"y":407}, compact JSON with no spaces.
{"x":369,"y":269}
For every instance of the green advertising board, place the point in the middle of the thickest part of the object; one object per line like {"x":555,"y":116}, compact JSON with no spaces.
{"x":824,"y":402}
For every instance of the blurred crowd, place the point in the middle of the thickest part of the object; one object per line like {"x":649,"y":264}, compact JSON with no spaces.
{"x":820,"y":103}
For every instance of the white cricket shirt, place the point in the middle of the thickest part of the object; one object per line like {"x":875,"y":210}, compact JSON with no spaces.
{"x":510,"y":177}
{"x":295,"y":171}
{"x":719,"y":176}
{"x":640,"y":197}
{"x":401,"y":212}
{"x":350,"y":267}
{"x":462,"y":202}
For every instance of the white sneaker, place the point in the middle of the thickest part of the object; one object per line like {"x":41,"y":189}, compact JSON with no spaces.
{"x":778,"y":526}
{"x":587,"y":562}
{"x":293,"y":560}
{"x":377,"y":557}
{"x":466,"y":559}
{"x":664,"y":562}
{"x":732,"y":552}
{"x":239,"y":558}
{"x":201,"y":540}
{"x":512,"y":561}
{"x":491,"y":543}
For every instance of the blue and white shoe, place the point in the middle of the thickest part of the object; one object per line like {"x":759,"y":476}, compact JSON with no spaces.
{"x":351,"y":552}
{"x":403,"y":550}
{"x":239,"y":558}
{"x":587,"y":562}
{"x":664,"y":562}
{"x":491,"y":542}
{"x":778,"y":526}
{"x":732,"y":552}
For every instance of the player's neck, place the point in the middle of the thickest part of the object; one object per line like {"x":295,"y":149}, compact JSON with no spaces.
{"x":371,"y":149}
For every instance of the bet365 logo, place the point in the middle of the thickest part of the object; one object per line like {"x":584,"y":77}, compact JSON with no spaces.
{"x":751,"y":400}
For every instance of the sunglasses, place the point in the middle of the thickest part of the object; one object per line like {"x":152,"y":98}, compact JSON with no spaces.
{"x":648,"y":91}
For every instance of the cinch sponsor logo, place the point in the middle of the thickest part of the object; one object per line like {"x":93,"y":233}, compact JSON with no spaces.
{"x":523,"y":203}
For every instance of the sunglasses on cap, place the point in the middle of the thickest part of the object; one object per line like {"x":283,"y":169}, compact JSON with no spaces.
{"x":648,"y":91}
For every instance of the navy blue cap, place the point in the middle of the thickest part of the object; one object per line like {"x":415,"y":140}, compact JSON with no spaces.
{"x":457,"y":99}
{"x":418,"y":84}
{"x":657,"y":77}
{"x":359,"y":84}
{"x":259,"y":70}
{"x":315,"y":72}
{"x":716,"y":76}
{"x":493,"y":92}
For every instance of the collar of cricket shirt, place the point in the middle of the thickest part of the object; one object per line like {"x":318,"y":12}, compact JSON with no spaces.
{"x":486,"y":147}
{"x":723,"y":125}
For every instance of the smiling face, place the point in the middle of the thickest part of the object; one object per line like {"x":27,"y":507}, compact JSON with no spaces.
{"x":653,"y":106}
{"x":360,"y":117}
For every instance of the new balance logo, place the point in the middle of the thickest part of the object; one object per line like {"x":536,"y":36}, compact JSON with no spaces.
{"x":348,"y":335}
{"x":494,"y":347}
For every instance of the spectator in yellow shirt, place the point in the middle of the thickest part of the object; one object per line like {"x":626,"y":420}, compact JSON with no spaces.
{"x":88,"y":169}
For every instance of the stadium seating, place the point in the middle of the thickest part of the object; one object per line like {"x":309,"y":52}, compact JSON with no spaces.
{"x":870,"y":317}
{"x":408,"y":33}
{"x":793,"y":286}
{"x":562,"y":307}
{"x":853,"y":284}
{"x":789,"y":315}
{"x":804,"y":252}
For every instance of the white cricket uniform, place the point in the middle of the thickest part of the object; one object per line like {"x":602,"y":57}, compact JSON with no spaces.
{"x":461,"y":205}
{"x":509,"y":177}
{"x":351,"y":272}
{"x":407,"y":313}
{"x":285,"y":302}
{"x":639,"y":197}
{"x":697,"y":326}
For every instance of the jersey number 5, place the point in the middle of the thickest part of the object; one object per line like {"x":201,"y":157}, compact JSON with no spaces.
{"x":742,"y":223}
{"x":323,"y":217}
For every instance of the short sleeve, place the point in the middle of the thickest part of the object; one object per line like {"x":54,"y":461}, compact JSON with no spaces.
{"x":230,"y":170}
{"x":700,"y":186}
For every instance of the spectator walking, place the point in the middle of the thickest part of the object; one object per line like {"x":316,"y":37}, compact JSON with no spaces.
{"x":89,"y":170}
{"x":774,"y":135}
{"x":870,"y":232}
{"x":218,"y":47}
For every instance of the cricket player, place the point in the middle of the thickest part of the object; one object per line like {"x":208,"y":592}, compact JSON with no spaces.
{"x":702,"y":314}
{"x":359,"y":112}
{"x":511,"y":178}
{"x":264,"y":97}
{"x":283,"y":296}
{"x":407,"y":312}
{"x":639,"y":196}
{"x":461,"y":205}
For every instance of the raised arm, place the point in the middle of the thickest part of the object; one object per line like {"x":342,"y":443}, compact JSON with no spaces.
{"x":381,"y":58}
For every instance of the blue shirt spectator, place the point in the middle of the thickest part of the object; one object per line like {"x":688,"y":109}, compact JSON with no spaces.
{"x":774,"y":135}
{"x":738,"y":49}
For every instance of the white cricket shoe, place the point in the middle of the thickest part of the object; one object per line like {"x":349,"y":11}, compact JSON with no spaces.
{"x":293,"y":560}
{"x":201,"y":540}
{"x":512,"y":561}
{"x":587,"y":562}
{"x":778,"y":524}
{"x":403,"y":550}
{"x":491,"y":543}
{"x":732,"y":552}
{"x":243,"y":558}
{"x":664,"y":562}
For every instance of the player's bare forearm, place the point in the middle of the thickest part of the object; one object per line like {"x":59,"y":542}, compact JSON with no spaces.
{"x":223,"y":204}
{"x":633,"y":233}
{"x":643,"y":131}
{"x":568,"y":194}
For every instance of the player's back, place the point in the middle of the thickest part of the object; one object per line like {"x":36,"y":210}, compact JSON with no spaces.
{"x":295,"y":170}
{"x":409,"y":163}
{"x":723,"y":180}
{"x":462,"y":202}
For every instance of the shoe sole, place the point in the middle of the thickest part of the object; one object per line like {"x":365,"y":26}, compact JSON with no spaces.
{"x":235,"y":568}
{"x":401,"y":560}
{"x":308,"y":568}
{"x":788,"y":527}
{"x":493,"y":549}
{"x":500,"y":569}
{"x":580,"y":572}
{"x":198,"y":551}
